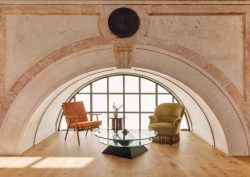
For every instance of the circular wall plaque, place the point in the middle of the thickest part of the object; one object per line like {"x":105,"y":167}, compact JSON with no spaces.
{"x":123,"y":22}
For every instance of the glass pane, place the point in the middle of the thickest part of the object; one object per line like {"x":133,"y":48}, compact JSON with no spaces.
{"x":175,"y":101}
{"x":85,"y":89}
{"x":116,"y":84}
{"x":162,"y":98}
{"x":184,"y":124}
{"x":100,"y":85}
{"x":99,"y":102}
{"x":131,"y":121}
{"x":86,"y":100}
{"x":147,"y":102}
{"x":131,"y":102}
{"x":103,"y":118}
{"x":116,"y":99}
{"x":145,"y":120}
{"x":161,"y":89}
{"x":63,"y":125}
{"x":147,"y":86}
{"x":131,"y":84}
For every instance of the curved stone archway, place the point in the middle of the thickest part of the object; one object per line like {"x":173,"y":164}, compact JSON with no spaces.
{"x":81,"y":59}
{"x":202,"y":119}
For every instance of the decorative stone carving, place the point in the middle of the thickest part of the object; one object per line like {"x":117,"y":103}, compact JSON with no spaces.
{"x":123,"y":53}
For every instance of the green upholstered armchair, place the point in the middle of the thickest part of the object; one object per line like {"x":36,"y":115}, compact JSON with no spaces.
{"x":166,"y":121}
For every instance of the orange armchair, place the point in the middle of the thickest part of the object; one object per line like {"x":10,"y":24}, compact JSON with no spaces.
{"x":76,"y":118}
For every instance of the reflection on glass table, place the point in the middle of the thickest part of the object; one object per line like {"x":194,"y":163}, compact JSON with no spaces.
{"x":128,"y":144}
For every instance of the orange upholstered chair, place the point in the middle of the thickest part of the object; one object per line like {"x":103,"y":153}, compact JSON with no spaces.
{"x":76,"y":118}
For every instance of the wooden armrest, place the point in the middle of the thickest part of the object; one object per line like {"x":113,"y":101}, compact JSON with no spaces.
{"x":91,"y":113}
{"x":71,"y":116}
{"x":95,"y":114}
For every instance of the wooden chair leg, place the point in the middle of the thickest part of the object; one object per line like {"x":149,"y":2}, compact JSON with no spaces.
{"x":171,"y":140}
{"x":86,"y":132}
{"x":66,"y":134}
{"x":77,"y":132}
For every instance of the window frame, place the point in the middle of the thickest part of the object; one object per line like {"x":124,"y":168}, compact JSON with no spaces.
{"x":140,"y":93}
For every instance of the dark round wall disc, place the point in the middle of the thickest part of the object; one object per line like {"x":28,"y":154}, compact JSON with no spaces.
{"x":123,"y":22}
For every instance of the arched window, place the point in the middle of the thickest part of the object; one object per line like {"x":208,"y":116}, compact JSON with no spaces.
{"x":138,"y":96}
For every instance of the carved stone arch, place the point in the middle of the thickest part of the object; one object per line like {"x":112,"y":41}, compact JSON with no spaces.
{"x":18,"y":117}
{"x":228,"y":104}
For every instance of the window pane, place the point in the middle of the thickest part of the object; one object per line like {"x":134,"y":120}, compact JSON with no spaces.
{"x":99,"y":102}
{"x":132,"y":121}
{"x":63,"y":125}
{"x":161,"y":89}
{"x":103,"y":118}
{"x":100,"y":85}
{"x":145,"y":120}
{"x":131,"y":84}
{"x":86,"y":100}
{"x":85,"y":89}
{"x":184,"y":124}
{"x":116,"y":84}
{"x":162,"y":98}
{"x":147,"y":102}
{"x":115,"y":95}
{"x":117,"y":99}
{"x":147,"y":86}
{"x":131,"y":102}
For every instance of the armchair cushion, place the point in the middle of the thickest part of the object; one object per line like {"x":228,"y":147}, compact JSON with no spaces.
{"x":153,"y":119}
{"x":162,"y":128}
{"x":86,"y":124}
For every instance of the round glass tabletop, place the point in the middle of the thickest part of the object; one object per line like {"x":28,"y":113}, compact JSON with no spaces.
{"x":129,"y":135}
{"x":128,"y":138}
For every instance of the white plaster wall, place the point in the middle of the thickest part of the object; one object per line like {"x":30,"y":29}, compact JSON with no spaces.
{"x":29,"y":38}
{"x":14,"y":128}
{"x":200,"y":123}
{"x":202,"y":117}
{"x":49,"y":121}
{"x":218,"y":38}
{"x":19,"y":116}
{"x":201,"y":83}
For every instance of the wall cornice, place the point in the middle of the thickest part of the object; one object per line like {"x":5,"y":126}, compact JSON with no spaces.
{"x":167,"y":2}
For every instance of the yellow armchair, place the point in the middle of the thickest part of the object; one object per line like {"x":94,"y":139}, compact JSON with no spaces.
{"x":166,"y":121}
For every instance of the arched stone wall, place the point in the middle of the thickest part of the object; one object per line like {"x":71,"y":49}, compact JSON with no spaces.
{"x":203,"y":122}
{"x":92,"y":54}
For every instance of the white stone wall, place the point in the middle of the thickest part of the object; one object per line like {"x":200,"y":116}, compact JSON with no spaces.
{"x":205,"y":47}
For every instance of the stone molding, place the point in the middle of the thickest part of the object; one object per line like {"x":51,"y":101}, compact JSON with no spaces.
{"x":122,"y":48}
{"x":199,"y":61}
{"x":123,"y":53}
{"x":5,"y":103}
{"x":167,"y":2}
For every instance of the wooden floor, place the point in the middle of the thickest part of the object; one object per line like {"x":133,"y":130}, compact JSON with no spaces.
{"x":54,"y":157}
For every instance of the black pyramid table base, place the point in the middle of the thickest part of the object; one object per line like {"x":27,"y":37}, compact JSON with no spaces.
{"x":125,"y":152}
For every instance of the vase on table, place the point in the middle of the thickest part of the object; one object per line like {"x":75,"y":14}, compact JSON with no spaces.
{"x":116,"y":122}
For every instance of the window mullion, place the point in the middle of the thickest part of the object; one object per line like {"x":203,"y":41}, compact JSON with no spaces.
{"x":108,"y":103}
{"x":91,"y":99}
{"x":123,"y":94}
{"x":139,"y":103}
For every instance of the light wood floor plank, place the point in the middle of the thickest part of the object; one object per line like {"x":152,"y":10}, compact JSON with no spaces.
{"x":192,"y":157}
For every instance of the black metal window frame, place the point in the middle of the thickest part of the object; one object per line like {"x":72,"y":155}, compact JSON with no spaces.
{"x":175,"y":99}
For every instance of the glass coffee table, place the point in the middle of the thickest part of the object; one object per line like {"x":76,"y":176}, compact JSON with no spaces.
{"x":125,"y":144}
